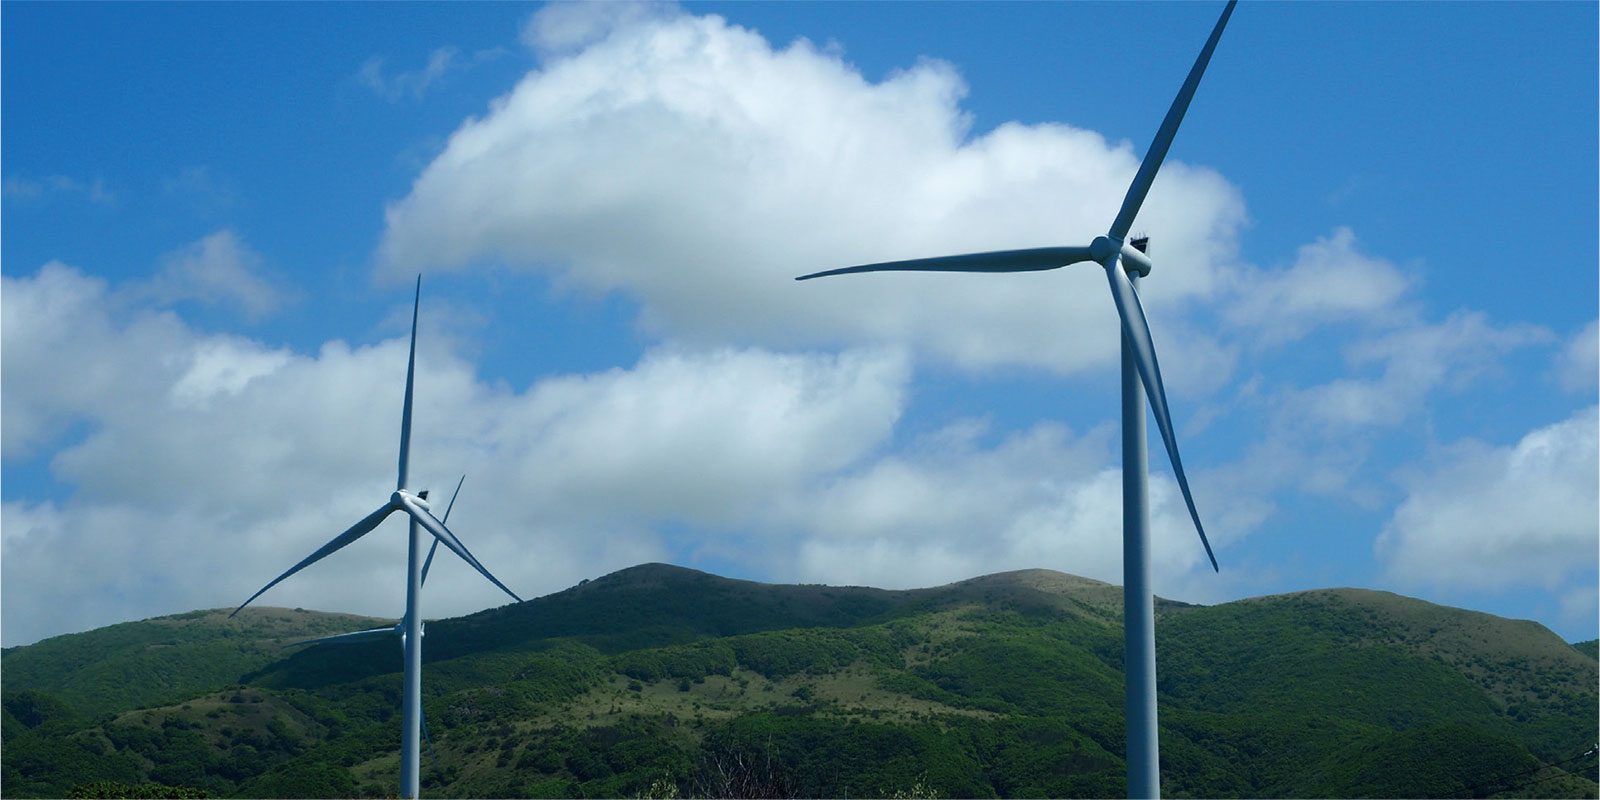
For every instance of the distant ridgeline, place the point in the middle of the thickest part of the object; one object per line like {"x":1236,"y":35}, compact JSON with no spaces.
{"x":659,"y":681}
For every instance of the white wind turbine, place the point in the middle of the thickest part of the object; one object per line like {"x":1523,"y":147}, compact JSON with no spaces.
{"x":410,"y":627}
{"x":1124,"y":263}
{"x":397,"y":630}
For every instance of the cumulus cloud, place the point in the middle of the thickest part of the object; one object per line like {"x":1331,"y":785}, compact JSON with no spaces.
{"x":564,"y":28}
{"x":1325,"y":439}
{"x":1492,"y":518}
{"x":1330,"y":281}
{"x":704,"y":438}
{"x":1415,"y":360}
{"x":690,"y":164}
{"x":949,"y":508}
{"x":207,"y":464}
{"x":1578,"y":364}
{"x":218,"y":269}
{"x":51,"y":329}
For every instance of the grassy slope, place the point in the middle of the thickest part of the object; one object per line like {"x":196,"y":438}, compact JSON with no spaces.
{"x":169,"y":658}
{"x":1007,"y":684}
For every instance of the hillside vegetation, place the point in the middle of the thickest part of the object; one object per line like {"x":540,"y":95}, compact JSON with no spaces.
{"x":662,"y":681}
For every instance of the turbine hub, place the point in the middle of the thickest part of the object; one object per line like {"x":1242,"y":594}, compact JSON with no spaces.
{"x":1104,"y":248}
{"x":396,"y":501}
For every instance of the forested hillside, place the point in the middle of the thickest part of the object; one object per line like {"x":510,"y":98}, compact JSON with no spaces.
{"x":663,"y":681}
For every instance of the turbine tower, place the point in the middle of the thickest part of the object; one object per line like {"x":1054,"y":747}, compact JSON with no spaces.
{"x":1124,"y":265}
{"x":416,"y":507}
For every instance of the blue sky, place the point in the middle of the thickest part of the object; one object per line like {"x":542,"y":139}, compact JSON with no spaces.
{"x":1374,"y":299}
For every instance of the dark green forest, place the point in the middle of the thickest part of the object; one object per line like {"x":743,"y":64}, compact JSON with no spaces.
{"x":659,"y":681}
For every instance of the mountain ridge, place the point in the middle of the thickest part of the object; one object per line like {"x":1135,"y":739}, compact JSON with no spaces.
{"x":1005,"y":684}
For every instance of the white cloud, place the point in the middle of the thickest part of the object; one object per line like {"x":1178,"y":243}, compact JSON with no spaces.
{"x":1578,"y":365}
{"x":950,"y":509}
{"x":686,"y":162}
{"x":208,"y":464}
{"x":1416,"y":360}
{"x":560,"y":29}
{"x":1324,"y":439}
{"x":51,"y":328}
{"x":25,"y":189}
{"x":1330,"y":281}
{"x":703,"y":438}
{"x":217,"y":269}
{"x":1490,"y":518}
{"x":414,"y":84}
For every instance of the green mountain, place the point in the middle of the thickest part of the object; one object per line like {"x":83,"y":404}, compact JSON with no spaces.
{"x":663,"y":681}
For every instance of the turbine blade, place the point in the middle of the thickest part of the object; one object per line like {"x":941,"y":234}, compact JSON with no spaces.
{"x":1164,"y":135}
{"x":355,"y":532}
{"x":350,"y":638}
{"x":449,"y":539}
{"x":1137,"y":330}
{"x":411,"y":372}
{"x":422,"y":717}
{"x":434,"y":548}
{"x":1034,"y":260}
{"x":452,"y":504}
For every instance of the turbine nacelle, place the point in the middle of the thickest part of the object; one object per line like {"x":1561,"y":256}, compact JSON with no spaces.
{"x":1135,"y":260}
{"x":398,"y":499}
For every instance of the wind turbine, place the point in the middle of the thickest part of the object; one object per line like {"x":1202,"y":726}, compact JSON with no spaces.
{"x":1124,"y":263}
{"x":397,"y":630}
{"x":415,"y":506}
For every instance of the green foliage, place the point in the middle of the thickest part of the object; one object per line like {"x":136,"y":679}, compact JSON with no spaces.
{"x":33,"y":708}
{"x":1590,"y":648}
{"x":301,"y":779}
{"x":37,"y":765}
{"x":689,"y":661}
{"x":833,"y":758}
{"x":1328,"y":657}
{"x":143,"y":790}
{"x":1029,"y":672}
{"x":167,"y":659}
{"x":811,"y":651}
{"x":1437,"y":761}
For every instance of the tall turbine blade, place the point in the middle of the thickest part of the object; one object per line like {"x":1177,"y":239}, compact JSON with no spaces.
{"x":452,"y":503}
{"x":355,"y":532}
{"x":411,"y":372}
{"x":434,"y":548}
{"x":1169,"y":129}
{"x":423,"y":718}
{"x":1138,"y":333}
{"x":443,"y":534}
{"x":350,"y":638}
{"x":1033,"y":260}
